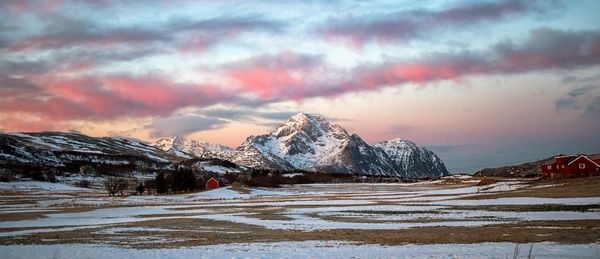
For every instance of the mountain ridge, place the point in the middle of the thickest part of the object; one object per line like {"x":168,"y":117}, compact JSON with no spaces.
{"x":310,"y":142}
{"x":307,"y":142}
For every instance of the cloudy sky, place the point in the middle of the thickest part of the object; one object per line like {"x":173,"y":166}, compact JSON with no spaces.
{"x":482,"y":83}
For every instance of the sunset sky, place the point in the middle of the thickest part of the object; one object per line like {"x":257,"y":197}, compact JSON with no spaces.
{"x":482,"y":83}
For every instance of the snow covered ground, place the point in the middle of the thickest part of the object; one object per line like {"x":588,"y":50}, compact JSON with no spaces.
{"x":59,"y":209}
{"x":306,"y":249}
{"x":34,"y":186}
{"x":320,"y":201}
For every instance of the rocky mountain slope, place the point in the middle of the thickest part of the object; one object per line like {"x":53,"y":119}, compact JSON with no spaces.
{"x":310,"y":142}
{"x":188,"y":148}
{"x":304,"y":142}
{"x":415,"y":161}
{"x":71,"y":150}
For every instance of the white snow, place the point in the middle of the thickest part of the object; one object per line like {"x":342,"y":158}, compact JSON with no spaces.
{"x":227,"y":193}
{"x":304,"y":249}
{"x":304,"y":208}
{"x":307,"y":223}
{"x":35,"y":185}
{"x":523,"y":201}
{"x":183,"y":147}
{"x":449,"y":215}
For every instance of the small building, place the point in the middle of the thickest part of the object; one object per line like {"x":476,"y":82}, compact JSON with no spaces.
{"x":212,"y":183}
{"x":571,"y":166}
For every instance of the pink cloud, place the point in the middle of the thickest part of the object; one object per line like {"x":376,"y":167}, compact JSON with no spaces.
{"x":544,"y":49}
{"x":109,"y":97}
{"x":285,"y":75}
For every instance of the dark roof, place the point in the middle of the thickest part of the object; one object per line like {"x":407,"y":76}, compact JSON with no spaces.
{"x":568,"y":161}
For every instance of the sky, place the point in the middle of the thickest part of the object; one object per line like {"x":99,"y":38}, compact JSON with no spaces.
{"x":481,"y":83}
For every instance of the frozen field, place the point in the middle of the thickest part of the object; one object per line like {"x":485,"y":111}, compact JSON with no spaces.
{"x":319,"y":220}
{"x":306,"y":249}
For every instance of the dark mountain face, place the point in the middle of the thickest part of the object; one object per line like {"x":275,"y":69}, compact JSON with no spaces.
{"x":71,"y":151}
{"x":415,"y":161}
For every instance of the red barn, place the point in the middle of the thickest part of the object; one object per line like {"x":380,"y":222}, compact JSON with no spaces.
{"x":571,"y":165}
{"x":212,"y":183}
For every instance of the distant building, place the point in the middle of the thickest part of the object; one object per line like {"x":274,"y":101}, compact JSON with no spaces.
{"x":212,"y":183}
{"x":571,"y":166}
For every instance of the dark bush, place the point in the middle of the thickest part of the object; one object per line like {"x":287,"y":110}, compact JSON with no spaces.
{"x":84,"y":184}
{"x":140,"y":189}
{"x":161,"y":183}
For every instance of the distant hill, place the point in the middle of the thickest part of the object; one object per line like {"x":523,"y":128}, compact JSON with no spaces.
{"x":68,"y":152}
{"x":522,"y":170}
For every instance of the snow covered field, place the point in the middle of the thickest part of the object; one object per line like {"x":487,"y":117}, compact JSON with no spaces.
{"x":326,"y":220}
{"x":307,"y":249}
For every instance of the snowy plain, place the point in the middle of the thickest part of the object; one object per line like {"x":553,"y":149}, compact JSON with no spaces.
{"x":306,"y":208}
{"x":306,"y":249}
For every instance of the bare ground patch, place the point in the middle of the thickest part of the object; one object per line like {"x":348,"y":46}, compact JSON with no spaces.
{"x":194,"y":232}
{"x":565,"y":188}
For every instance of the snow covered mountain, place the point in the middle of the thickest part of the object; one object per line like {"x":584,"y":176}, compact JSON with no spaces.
{"x":310,"y":142}
{"x":305,"y":142}
{"x":188,"y":148}
{"x":58,"y":149}
{"x":413,"y":160}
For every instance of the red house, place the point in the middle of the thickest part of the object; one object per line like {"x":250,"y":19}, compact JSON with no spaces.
{"x":571,"y":165}
{"x":212,"y":183}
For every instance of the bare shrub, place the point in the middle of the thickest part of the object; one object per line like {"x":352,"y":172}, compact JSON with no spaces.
{"x":114,"y":185}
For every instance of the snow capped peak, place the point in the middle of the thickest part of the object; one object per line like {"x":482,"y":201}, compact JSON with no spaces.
{"x":310,"y":142}
{"x":184,"y":147}
{"x":168,"y":143}
{"x":301,"y":120}
{"x":413,"y":159}
{"x":399,"y":142}
{"x":311,"y":125}
{"x":308,"y":117}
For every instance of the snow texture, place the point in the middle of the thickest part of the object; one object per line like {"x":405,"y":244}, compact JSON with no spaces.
{"x":305,"y":249}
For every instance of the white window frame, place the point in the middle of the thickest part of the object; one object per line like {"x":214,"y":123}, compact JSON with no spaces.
{"x":581,"y":165}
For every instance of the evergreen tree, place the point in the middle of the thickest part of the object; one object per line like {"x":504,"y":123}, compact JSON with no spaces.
{"x":161,"y":183}
{"x":178,"y":180}
{"x":140,"y":188}
{"x":189,"y":180}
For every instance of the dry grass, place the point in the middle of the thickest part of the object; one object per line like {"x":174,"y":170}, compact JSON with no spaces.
{"x":487,"y":181}
{"x":31,"y":215}
{"x":269,"y":216}
{"x":566,"y":188}
{"x":535,"y":207}
{"x":22,"y":216}
{"x":193,"y":232}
